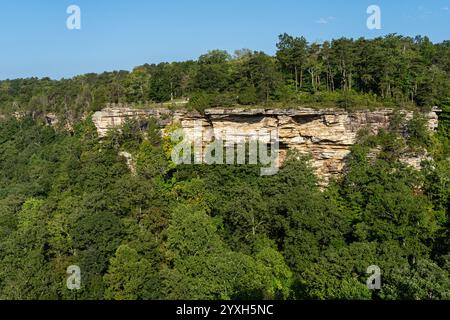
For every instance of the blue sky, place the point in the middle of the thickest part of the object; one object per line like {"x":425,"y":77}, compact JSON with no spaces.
{"x":121,"y":34}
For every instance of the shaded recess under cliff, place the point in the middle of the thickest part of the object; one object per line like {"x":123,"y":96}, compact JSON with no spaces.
{"x":326,"y":134}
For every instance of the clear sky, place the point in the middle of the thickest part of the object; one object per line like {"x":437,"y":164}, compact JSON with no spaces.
{"x":121,"y":34}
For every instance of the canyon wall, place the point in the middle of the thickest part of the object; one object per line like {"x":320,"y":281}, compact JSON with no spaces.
{"x":326,"y":134}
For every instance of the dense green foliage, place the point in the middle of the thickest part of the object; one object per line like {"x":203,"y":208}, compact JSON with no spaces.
{"x":390,"y":71}
{"x":161,"y":231}
{"x":216,"y":232}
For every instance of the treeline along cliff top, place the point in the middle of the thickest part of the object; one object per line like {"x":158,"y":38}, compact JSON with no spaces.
{"x":392,"y":71}
{"x":139,"y":226}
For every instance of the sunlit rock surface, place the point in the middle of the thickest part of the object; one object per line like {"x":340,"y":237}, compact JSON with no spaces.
{"x":327,"y":135}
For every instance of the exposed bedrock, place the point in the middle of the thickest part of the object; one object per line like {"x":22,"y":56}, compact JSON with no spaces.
{"x":327,"y":135}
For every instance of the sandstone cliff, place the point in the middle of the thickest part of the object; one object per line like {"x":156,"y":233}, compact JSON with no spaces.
{"x":327,"y":135}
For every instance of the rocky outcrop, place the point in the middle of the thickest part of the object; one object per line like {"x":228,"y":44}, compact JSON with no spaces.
{"x":111,"y":118}
{"x":129,"y":160}
{"x":326,"y":134}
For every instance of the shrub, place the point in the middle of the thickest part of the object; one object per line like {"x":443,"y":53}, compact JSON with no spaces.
{"x":200,"y":102}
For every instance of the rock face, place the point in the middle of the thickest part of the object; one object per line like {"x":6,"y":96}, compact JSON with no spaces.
{"x":327,"y":135}
{"x":111,"y":118}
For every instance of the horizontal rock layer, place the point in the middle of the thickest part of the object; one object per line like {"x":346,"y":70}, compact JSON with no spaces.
{"x":327,"y":134}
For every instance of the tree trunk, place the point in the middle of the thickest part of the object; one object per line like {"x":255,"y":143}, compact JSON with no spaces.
{"x":350,"y":80}
{"x":301,"y":77}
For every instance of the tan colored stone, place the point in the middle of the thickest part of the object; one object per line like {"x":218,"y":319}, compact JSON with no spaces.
{"x":326,"y":134}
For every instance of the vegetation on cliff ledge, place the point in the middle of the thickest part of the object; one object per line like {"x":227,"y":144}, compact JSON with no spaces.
{"x":224,"y":232}
{"x":393,"y":71}
{"x":216,"y":232}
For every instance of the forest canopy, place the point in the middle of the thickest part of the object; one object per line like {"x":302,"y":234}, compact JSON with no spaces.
{"x":162,"y":231}
{"x":393,"y":71}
